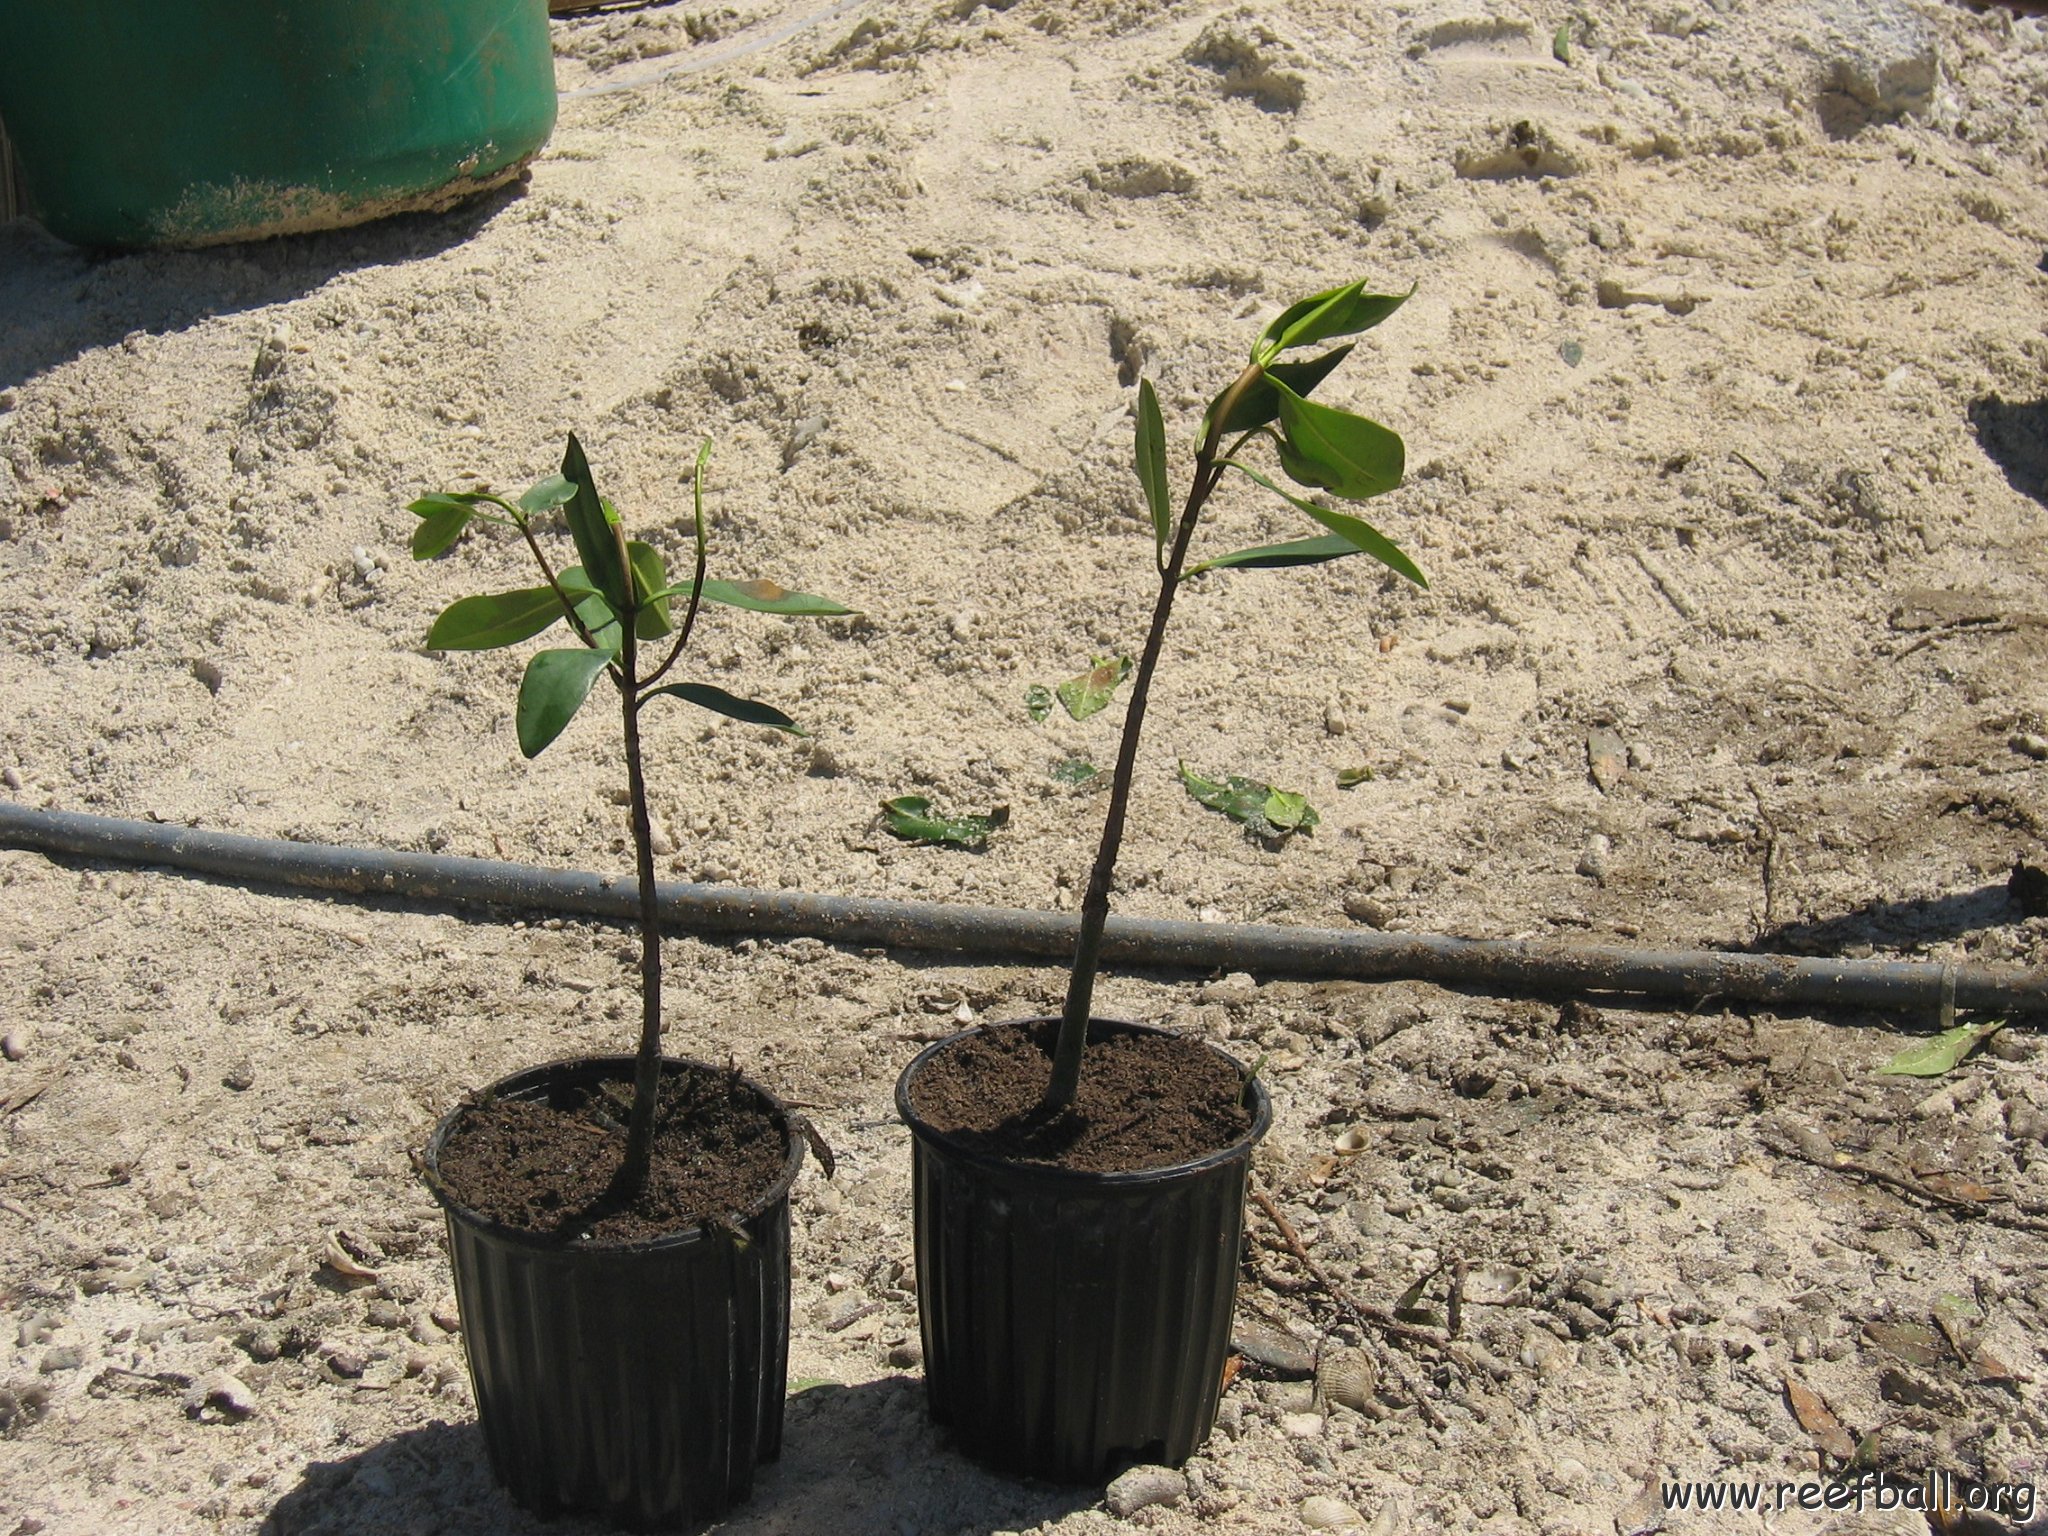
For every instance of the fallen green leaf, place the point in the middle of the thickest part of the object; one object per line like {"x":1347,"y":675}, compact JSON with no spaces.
{"x":1561,"y":44}
{"x":1943,"y":1053}
{"x":1075,"y":771}
{"x":1351,"y":778}
{"x":1273,"y":814}
{"x":1089,"y":694}
{"x":909,"y":817}
{"x":1572,"y":352}
{"x":1038,"y":702}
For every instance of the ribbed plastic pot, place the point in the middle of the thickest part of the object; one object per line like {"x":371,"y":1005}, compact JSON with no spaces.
{"x":214,"y":120}
{"x":1074,"y":1322}
{"x":643,"y":1384}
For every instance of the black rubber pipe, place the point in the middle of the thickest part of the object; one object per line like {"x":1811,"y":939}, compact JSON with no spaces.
{"x":1514,"y":967}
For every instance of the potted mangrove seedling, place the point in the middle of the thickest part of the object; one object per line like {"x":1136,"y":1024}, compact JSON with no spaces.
{"x":1079,"y":1182}
{"x":619,"y":1225}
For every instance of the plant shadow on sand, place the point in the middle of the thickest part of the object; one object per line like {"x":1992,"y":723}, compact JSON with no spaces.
{"x":855,"y":1459}
{"x":63,"y":302}
{"x":2014,"y":436}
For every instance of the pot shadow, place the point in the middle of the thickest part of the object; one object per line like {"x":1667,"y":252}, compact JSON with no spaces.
{"x":2014,"y":436}
{"x":1893,"y":924}
{"x":855,"y":1460}
{"x":62,"y":301}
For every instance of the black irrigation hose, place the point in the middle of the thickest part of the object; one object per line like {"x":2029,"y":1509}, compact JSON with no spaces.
{"x":1505,"y":966}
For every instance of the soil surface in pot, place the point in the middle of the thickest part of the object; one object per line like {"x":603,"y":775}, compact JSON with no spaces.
{"x":1146,"y":1100}
{"x":546,"y":1166}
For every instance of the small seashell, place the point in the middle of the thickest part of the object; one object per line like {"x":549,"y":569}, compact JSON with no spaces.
{"x":1352,"y":1141}
{"x":1348,"y":1378}
{"x":1320,"y":1512}
{"x":344,"y":1263}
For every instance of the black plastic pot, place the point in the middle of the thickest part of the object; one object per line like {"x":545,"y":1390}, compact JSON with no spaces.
{"x":643,"y":1383}
{"x":1075,"y":1322}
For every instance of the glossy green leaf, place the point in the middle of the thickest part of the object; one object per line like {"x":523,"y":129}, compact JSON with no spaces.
{"x":910,"y":818}
{"x":442,"y":519}
{"x":1315,"y":551}
{"x":650,"y":578}
{"x":597,"y":617}
{"x":1266,"y":812}
{"x":1151,"y":455}
{"x":596,"y":544}
{"x":546,"y":495}
{"x":554,"y":688}
{"x":1349,"y":456}
{"x":771,"y":597}
{"x":718,"y":701}
{"x":1355,"y":531}
{"x":1943,"y":1053}
{"x":1038,"y":702}
{"x":494,"y":619}
{"x":1090,"y":693}
{"x":1341,"y":311}
{"x":1261,"y":403}
{"x":1075,"y":771}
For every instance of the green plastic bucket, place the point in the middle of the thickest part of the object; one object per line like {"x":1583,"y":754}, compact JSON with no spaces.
{"x":137,"y":123}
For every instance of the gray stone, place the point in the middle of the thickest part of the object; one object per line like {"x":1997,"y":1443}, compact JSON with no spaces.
{"x":1142,"y":1487}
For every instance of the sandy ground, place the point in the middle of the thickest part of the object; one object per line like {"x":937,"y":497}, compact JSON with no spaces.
{"x":1723,"y":385}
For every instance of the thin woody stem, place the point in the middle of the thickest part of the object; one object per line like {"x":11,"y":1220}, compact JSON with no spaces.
{"x":1073,"y":1032}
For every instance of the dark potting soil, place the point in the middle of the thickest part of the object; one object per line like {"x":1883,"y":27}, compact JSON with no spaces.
{"x":547,"y":1167}
{"x":1146,"y":1100}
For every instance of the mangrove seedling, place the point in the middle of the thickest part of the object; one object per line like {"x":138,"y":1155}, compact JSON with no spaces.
{"x":1318,"y":447}
{"x":618,"y":599}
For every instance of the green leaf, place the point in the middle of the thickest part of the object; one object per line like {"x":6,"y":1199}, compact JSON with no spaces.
{"x":770,"y":597}
{"x":597,"y":617}
{"x":1089,"y":694}
{"x":1075,"y":771}
{"x":704,"y":696}
{"x":495,"y":619}
{"x":1266,"y":812}
{"x":546,"y":495}
{"x":1315,"y":551}
{"x":1349,"y":456}
{"x":1355,"y":531}
{"x":1038,"y":702}
{"x":1151,"y":452}
{"x":554,"y":688}
{"x":597,"y":546}
{"x":1943,"y":1053}
{"x":909,"y":817}
{"x":1351,"y":778}
{"x":442,"y":519}
{"x":650,"y":579}
{"x":1261,"y":403}
{"x":1561,"y":44}
{"x":1341,"y":311}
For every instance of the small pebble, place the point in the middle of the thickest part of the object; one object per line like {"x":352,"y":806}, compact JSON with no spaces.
{"x":240,"y":1078}
{"x":1277,"y":1351}
{"x":65,"y":1357}
{"x":835,"y":1282}
{"x":906,"y":1355}
{"x":1593,"y":862}
{"x":223,"y":1393}
{"x":444,"y":1315}
{"x":1369,"y":910}
{"x":2032,"y":745}
{"x":1320,"y":1512}
{"x":10,"y":776}
{"x":1518,"y":756}
{"x":347,"y":1364}
{"x":14,"y":1045}
{"x":384,"y":1313}
{"x":1142,"y":1487}
{"x":1302,"y":1426}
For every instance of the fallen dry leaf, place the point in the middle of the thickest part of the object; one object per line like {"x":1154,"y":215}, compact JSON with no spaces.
{"x":1817,"y":1421}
